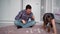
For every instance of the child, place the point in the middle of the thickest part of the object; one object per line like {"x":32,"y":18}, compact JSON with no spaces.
{"x":49,"y":22}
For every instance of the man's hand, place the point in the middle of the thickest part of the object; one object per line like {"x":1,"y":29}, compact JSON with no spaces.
{"x":33,"y":17}
{"x":24,"y":22}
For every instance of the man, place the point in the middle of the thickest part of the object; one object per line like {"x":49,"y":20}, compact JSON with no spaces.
{"x":23,"y":18}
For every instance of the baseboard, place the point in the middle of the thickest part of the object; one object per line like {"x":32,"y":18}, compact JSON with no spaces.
{"x":12,"y":22}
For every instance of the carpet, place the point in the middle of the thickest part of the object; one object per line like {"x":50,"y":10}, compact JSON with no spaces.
{"x":37,"y":29}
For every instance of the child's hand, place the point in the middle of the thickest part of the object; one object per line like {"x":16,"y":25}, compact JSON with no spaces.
{"x":24,"y":22}
{"x":53,"y":33}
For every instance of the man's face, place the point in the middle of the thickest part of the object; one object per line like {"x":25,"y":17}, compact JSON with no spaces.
{"x":28,"y":11}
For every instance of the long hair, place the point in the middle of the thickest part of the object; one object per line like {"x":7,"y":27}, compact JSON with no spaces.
{"x":47,"y":16}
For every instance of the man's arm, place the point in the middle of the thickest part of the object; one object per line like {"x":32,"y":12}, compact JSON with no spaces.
{"x":32,"y":16}
{"x":54,"y":26}
{"x":18,"y":16}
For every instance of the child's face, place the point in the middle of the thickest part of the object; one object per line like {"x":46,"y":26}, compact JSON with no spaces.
{"x":49,"y":19}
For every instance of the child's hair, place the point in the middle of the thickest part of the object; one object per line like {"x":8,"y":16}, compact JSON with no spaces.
{"x":48,"y":16}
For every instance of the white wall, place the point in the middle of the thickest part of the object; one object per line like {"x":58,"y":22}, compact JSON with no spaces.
{"x":9,"y":9}
{"x":56,"y":10}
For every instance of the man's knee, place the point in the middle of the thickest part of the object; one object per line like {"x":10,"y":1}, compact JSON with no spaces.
{"x":33,"y":22}
{"x":16,"y":22}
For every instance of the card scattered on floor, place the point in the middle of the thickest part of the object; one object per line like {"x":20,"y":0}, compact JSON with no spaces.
{"x":13,"y":30}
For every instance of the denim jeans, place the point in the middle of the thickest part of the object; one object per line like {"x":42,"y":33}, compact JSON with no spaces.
{"x":28,"y":24}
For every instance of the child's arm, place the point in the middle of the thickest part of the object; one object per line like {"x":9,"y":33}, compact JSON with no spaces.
{"x":43,"y":26}
{"x":54,"y":26}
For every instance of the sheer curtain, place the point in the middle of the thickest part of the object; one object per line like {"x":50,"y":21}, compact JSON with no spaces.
{"x":56,"y":10}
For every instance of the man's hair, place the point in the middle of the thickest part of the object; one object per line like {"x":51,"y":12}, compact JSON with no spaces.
{"x":28,"y":7}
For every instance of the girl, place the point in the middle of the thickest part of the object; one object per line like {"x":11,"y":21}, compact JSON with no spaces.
{"x":49,"y":22}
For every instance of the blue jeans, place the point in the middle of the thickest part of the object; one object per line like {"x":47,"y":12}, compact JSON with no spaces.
{"x":28,"y":24}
